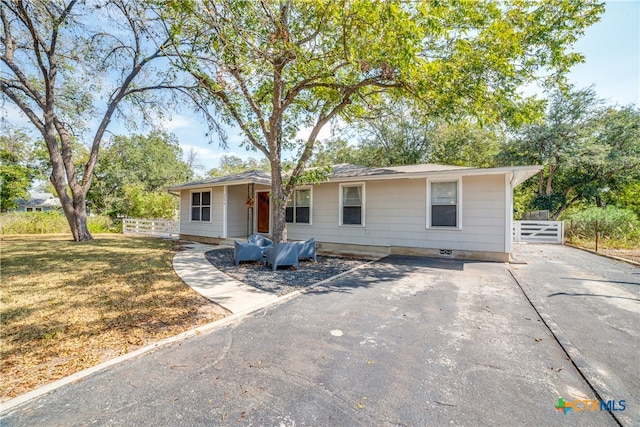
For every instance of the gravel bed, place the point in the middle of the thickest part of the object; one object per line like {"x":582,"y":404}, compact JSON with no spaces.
{"x":284,"y":279}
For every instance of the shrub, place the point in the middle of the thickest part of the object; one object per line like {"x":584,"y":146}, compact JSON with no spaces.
{"x":49,"y":223}
{"x":614,"y":224}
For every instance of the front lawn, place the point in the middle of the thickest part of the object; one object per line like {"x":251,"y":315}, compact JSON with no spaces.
{"x":68,"y":306}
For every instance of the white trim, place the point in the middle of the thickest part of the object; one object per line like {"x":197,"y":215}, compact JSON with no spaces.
{"x":363,"y":208}
{"x":458,"y":181}
{"x":508,"y":218}
{"x":201,"y":190}
{"x":293,"y":195}
{"x":225,"y":207}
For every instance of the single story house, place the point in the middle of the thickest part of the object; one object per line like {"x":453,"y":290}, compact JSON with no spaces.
{"x":39,"y":202}
{"x":432,"y":210}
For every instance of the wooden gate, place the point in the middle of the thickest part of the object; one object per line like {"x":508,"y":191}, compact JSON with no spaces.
{"x":539,"y":231}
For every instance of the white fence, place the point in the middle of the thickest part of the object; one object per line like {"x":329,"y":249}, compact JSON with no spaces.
{"x":151,"y":227}
{"x":539,"y":231}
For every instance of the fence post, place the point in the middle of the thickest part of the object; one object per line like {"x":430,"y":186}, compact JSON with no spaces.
{"x":596,"y":235}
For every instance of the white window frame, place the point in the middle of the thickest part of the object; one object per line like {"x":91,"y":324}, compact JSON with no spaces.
{"x":293,"y":195}
{"x":458,"y":225}
{"x":363,"y":206}
{"x":208,"y":190}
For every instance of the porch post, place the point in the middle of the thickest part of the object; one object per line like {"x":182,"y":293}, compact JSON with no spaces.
{"x":225,"y":207}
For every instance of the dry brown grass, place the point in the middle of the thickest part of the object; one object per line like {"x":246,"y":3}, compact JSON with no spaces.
{"x":68,"y":306}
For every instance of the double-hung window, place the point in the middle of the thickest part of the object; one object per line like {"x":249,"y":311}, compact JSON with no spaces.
{"x":201,"y":206}
{"x":444,"y":204}
{"x":352,"y":204}
{"x":298,"y":210}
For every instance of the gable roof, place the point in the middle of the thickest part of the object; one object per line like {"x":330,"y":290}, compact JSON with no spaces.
{"x":347,"y":172}
{"x":247,"y":177}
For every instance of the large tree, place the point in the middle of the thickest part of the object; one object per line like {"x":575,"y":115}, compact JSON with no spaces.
{"x":589,"y":151}
{"x":69,"y":66}
{"x":276,"y":68}
{"x":406,"y":140}
{"x":135,"y":167}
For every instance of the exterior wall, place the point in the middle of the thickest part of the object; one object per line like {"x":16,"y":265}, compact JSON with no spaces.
{"x":396,"y":212}
{"x":214,"y":228}
{"x":236,"y":213}
{"x":395,"y":219}
{"x":237,"y":210}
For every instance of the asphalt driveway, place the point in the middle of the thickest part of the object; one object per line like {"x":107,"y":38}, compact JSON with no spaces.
{"x":404,"y":341}
{"x":594,"y":305}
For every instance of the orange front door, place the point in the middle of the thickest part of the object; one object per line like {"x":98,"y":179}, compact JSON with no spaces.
{"x":263,"y":211}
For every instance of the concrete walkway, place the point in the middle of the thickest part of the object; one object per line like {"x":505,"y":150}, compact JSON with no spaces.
{"x":194,"y":269}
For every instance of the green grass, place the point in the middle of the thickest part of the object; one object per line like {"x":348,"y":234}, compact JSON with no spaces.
{"x":67,"y":306}
{"x":51,"y":223}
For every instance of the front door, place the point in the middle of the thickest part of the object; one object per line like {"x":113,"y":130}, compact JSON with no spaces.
{"x":263,"y":211}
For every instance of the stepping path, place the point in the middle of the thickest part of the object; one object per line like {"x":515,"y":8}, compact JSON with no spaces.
{"x":193,"y":268}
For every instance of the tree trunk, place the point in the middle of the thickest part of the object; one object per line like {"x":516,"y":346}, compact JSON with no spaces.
{"x":552,"y":171}
{"x":278,"y":205}
{"x":541,"y":183}
{"x":63,"y":178}
{"x":75,"y":210}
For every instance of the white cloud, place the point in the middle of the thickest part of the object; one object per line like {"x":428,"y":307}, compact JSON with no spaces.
{"x":12,"y":114}
{"x":325,"y":133}
{"x":177,"y":121}
{"x":209,"y":156}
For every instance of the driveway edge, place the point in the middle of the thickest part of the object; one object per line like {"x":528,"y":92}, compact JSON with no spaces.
{"x":586,"y":371}
{"x":591,"y":251}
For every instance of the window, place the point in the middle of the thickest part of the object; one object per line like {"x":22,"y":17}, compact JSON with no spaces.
{"x":298,"y":210}
{"x":443,"y":208}
{"x":352,"y":204}
{"x":201,"y":206}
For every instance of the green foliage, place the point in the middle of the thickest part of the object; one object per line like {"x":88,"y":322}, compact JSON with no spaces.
{"x":15,"y":173}
{"x":403,"y":140}
{"x":51,"y":222}
{"x":139,"y":203}
{"x":103,"y":224}
{"x":590,"y":153}
{"x":628,"y":196}
{"x":230,"y":165}
{"x":132,"y":173}
{"x":34,"y":223}
{"x":621,"y":225}
{"x":15,"y":181}
{"x":465,"y":144}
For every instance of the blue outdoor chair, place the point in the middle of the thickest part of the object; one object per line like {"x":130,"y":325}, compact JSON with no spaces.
{"x":261,"y":241}
{"x":282,"y":254}
{"x":307,"y":249}
{"x":246,"y":252}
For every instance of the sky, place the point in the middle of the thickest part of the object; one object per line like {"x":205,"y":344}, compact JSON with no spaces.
{"x":612,"y":66}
